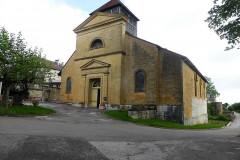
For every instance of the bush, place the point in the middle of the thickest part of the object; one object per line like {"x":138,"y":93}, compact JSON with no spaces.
{"x":211,"y":110}
{"x":236,"y":106}
{"x":230,"y":108}
{"x":220,"y":117}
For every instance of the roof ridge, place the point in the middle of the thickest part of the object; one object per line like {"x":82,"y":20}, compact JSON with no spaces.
{"x":111,"y":4}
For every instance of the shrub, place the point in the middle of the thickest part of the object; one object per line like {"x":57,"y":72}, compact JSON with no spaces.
{"x":230,"y":108}
{"x":211,"y":110}
{"x":35,"y":101}
{"x":236,"y":106}
{"x":220,"y":117}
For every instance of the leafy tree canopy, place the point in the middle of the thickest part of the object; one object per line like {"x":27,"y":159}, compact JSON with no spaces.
{"x":211,"y":90}
{"x":224,"y":19}
{"x":18,"y":64}
{"x":236,"y":107}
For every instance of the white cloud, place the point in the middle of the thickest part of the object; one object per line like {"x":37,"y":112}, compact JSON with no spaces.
{"x":43,"y":23}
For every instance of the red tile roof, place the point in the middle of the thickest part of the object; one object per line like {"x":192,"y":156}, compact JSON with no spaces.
{"x":111,"y":4}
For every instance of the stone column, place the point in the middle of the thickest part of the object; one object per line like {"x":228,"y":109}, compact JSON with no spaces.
{"x":218,"y":107}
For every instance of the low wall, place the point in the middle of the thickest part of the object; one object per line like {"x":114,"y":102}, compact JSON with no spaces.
{"x":171,"y":113}
{"x":148,"y":114}
{"x":200,"y":119}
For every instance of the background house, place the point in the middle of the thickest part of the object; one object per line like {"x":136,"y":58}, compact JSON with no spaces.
{"x":49,"y":90}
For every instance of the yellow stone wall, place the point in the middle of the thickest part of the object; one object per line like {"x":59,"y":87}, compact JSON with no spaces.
{"x":194,"y":105}
{"x":35,"y":94}
{"x":111,"y":53}
{"x":169,"y":79}
{"x":140,"y":55}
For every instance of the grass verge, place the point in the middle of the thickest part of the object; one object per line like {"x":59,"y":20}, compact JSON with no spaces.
{"x":162,"y":123}
{"x":26,"y":110}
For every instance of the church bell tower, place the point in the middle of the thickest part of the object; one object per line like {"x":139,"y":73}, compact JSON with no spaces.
{"x":117,"y":7}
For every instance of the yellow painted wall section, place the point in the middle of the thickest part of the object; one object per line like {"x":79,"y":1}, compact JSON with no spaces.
{"x":112,"y":35}
{"x":98,"y":19}
{"x":189,"y":89}
{"x":140,"y":55}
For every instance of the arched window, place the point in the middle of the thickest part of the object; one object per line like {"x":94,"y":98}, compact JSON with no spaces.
{"x":69,"y":85}
{"x":140,"y":81}
{"x":97,"y":43}
{"x":96,"y":84}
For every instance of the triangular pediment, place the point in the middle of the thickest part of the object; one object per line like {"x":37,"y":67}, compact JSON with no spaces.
{"x":99,"y":18}
{"x":93,"y":64}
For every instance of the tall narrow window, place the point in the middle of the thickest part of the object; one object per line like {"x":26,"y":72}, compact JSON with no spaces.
{"x":195,"y":84}
{"x":140,"y":81}
{"x":204,"y":90}
{"x":69,"y":85}
{"x":97,"y":43}
{"x":200,"y":87}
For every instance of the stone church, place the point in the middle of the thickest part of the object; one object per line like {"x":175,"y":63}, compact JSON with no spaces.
{"x":112,"y":65}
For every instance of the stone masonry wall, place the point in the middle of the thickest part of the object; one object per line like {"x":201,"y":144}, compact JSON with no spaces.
{"x":170,"y":79}
{"x":195,"y":104}
{"x":140,"y":55}
{"x":171,"y":113}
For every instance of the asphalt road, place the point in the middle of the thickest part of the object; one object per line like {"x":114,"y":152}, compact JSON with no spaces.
{"x":75,"y":133}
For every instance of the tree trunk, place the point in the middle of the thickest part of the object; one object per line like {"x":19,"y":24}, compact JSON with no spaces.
{"x":5,"y":98}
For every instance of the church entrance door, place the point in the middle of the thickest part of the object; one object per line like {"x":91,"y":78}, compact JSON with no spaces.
{"x":96,"y":90}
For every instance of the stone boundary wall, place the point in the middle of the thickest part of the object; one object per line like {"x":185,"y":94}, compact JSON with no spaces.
{"x":148,"y":114}
{"x":200,"y":119}
{"x":171,"y":113}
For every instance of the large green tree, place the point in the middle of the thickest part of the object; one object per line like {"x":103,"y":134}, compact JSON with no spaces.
{"x":211,"y":90}
{"x":224,"y":19}
{"x":18,"y":64}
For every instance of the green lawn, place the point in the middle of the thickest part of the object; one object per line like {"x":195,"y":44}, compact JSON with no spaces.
{"x":26,"y":110}
{"x":161,"y":123}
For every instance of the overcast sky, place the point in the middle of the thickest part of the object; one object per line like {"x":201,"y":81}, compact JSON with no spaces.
{"x":176,"y":25}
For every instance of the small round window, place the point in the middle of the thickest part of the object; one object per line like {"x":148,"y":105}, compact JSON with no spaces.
{"x":97,"y":43}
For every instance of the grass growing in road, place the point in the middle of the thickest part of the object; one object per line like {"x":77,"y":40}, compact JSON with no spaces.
{"x":162,"y":123}
{"x":26,"y":110}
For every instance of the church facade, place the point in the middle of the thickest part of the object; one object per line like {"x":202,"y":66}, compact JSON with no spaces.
{"x":112,"y":65}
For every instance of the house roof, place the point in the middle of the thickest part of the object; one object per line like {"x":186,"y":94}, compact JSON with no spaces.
{"x":112,"y":4}
{"x":183,"y":58}
{"x":54,"y":65}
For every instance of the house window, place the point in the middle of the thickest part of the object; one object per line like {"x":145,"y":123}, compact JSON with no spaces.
{"x":69,"y":85}
{"x":140,"y":81}
{"x":97,"y":43}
